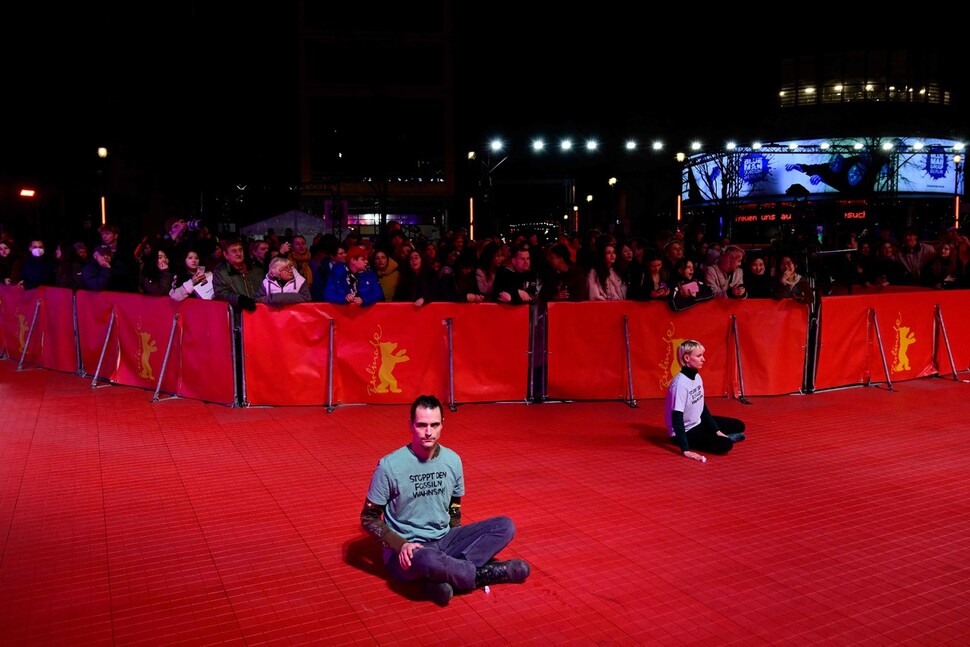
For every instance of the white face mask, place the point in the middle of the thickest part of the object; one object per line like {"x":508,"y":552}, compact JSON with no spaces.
{"x":37,"y":251}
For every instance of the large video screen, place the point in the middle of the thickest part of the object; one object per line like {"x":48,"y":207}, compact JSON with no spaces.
{"x":800,"y":169}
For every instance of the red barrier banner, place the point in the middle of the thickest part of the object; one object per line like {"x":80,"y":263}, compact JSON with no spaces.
{"x":18,"y":307}
{"x":57,"y":316}
{"x":955,"y":313}
{"x":773,"y":342}
{"x":389,"y":353}
{"x":659,"y":331}
{"x":491,"y":351}
{"x":145,"y":326}
{"x":286,"y":351}
{"x":205,"y":337}
{"x":94,"y":316}
{"x":587,"y":348}
{"x":849,"y":345}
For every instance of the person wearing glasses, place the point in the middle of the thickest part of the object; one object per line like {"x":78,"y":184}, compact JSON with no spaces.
{"x":283,"y":284}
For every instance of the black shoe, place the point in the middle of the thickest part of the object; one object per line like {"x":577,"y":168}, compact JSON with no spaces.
{"x":736,"y":437}
{"x":439,"y":592}
{"x":511,"y":571}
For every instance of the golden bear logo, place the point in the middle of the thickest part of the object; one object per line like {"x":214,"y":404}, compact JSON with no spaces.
{"x":386,"y":357}
{"x":21,"y":332}
{"x":670,"y":365}
{"x":905,"y":338}
{"x":148,"y":347}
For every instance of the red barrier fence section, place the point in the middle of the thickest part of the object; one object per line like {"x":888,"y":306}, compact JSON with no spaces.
{"x":57,"y":325}
{"x":587,"y":350}
{"x":388,"y":353}
{"x":18,"y":313}
{"x":849,"y":352}
{"x":391,"y":352}
{"x":286,"y":354}
{"x":205,"y":336}
{"x":94,"y":315}
{"x":491,"y":351}
{"x":955,"y":310}
{"x":140,"y":333}
{"x":144,"y":326}
{"x":772,"y":336}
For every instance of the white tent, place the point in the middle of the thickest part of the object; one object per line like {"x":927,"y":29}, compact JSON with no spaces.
{"x":302,"y":223}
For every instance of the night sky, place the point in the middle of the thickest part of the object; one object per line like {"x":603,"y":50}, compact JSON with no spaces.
{"x":204,"y":84}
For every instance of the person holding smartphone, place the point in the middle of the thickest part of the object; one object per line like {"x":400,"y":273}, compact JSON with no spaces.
{"x":191,"y":279}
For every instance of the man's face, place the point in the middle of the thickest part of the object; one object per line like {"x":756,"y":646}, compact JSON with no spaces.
{"x":341,"y":255}
{"x":108,"y":237}
{"x":260,"y":250}
{"x":522,"y":261}
{"x":357,"y":264}
{"x":177,"y":228}
{"x":425,"y":430}
{"x":675,"y":252}
{"x":694,"y":359}
{"x":910,"y":240}
{"x":235,"y":255}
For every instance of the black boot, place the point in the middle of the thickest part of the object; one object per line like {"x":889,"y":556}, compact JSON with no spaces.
{"x":511,"y":571}
{"x":439,"y":592}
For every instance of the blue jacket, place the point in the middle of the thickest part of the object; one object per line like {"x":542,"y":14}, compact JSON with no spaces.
{"x":338,"y":286}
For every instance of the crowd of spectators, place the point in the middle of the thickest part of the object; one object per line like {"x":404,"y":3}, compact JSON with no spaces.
{"x":680,"y":268}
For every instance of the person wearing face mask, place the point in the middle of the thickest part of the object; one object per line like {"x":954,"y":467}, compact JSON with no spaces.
{"x":37,"y":269}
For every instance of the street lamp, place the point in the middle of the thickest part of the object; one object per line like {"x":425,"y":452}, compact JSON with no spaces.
{"x":103,"y":154}
{"x":958,"y":169}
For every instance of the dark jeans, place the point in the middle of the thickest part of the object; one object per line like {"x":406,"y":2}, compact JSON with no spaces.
{"x":705,"y":439}
{"x":455,"y":557}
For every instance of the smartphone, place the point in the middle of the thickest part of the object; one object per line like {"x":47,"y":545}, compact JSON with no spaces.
{"x":201,"y":269}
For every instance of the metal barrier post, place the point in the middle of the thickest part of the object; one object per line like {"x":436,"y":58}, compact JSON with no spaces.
{"x":882,"y":352}
{"x":30,"y":333}
{"x":737,"y":357}
{"x":631,"y":398}
{"x":946,"y":342}
{"x":168,"y":350}
{"x":330,"y":405}
{"x":449,"y":323}
{"x":104,"y":348}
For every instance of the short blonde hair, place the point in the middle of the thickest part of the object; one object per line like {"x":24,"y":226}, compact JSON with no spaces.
{"x":276,"y":263}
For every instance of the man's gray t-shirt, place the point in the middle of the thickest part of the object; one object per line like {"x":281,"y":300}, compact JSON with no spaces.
{"x":416,"y":494}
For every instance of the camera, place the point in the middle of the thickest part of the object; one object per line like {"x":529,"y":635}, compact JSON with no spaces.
{"x":193,"y":225}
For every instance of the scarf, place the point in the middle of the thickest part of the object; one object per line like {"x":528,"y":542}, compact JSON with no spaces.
{"x":302,"y":263}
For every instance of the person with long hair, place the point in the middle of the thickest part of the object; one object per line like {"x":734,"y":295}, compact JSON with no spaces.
{"x":418,"y":281}
{"x":156,"y":277}
{"x":603,"y":281}
{"x":490,"y":260}
{"x":192,"y":280}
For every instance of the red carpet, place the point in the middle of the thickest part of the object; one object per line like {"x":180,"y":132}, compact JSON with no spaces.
{"x":843,"y":520}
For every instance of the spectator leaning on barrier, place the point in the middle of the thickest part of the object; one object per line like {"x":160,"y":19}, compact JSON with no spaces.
{"x":283,"y":284}
{"x":192,"y":279}
{"x":236,"y":280}
{"x":352,"y":282}
{"x":124,"y":267}
{"x":37,"y":269}
{"x":517,"y":283}
{"x":725,"y":276}
{"x":98,"y":274}
{"x":914,"y":256}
